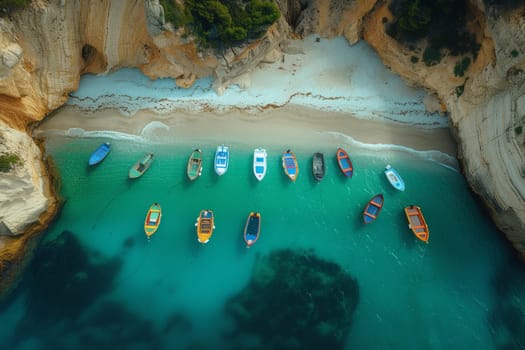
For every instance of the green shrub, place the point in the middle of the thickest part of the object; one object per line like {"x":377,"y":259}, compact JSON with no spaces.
{"x":514,"y":53}
{"x":176,"y":14}
{"x":431,"y":56}
{"x":221,"y":23}
{"x":414,"y":59}
{"x":8,"y":161}
{"x":461,"y":66}
{"x":518,"y":130}
{"x":441,"y":22}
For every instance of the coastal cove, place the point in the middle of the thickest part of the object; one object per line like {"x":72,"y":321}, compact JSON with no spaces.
{"x":317,"y":277}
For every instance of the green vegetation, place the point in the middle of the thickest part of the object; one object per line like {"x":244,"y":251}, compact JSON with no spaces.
{"x":220,"y":23}
{"x":440,"y":22}
{"x":8,"y":161}
{"x":431,"y":56}
{"x":9,"y":6}
{"x":514,"y":53}
{"x":461,"y":66}
{"x":176,"y":14}
{"x":414,"y":59}
{"x":518,"y":130}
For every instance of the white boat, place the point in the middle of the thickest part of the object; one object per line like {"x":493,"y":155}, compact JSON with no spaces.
{"x":394,"y":178}
{"x":259,"y":163}
{"x":222,"y":158}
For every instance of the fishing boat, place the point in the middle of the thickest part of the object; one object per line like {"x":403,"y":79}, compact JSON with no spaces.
{"x":99,"y":154}
{"x":141,"y":166}
{"x":373,"y":208}
{"x":252,"y":229}
{"x":152,"y":222}
{"x":318,"y":167}
{"x":417,"y":223}
{"x":194,"y":169}
{"x":290,"y":165}
{"x":345,"y":164}
{"x":259,"y":163}
{"x":393,"y":177}
{"x":205,"y":226}
{"x":222,"y":157}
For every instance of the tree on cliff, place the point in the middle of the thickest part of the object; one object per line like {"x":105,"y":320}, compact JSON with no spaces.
{"x":441,"y":22}
{"x":221,"y":23}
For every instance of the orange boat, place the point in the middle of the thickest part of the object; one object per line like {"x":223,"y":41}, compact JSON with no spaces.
{"x":205,"y":226}
{"x":345,"y":164}
{"x":417,"y":223}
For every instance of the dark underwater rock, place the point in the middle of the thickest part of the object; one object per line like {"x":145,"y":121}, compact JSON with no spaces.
{"x":294,"y":300}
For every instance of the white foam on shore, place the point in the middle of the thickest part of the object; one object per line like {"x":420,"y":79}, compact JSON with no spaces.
{"x":329,"y":75}
{"x":435,"y":156}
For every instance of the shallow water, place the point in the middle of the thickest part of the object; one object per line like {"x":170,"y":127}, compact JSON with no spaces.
{"x":102,"y":285}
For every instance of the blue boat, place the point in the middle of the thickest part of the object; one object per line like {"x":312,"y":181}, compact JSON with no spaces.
{"x":100,"y":153}
{"x":222,"y":157}
{"x":373,"y":208}
{"x":290,"y":165}
{"x":252,"y":229}
{"x":393,"y":177}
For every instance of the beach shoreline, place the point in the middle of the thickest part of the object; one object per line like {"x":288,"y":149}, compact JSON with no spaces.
{"x":289,"y":126}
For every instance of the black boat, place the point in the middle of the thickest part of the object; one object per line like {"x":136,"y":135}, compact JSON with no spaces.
{"x":318,"y":167}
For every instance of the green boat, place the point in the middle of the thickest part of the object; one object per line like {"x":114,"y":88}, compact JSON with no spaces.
{"x":194,"y":169}
{"x":141,"y":166}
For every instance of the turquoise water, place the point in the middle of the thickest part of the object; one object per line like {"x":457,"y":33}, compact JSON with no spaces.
{"x":97,"y":283}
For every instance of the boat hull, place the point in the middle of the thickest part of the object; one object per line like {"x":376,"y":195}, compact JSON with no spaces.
{"x":99,"y":154}
{"x":141,"y":166}
{"x":252,"y":229}
{"x":290,"y":165}
{"x":205,"y":225}
{"x":259,"y":163}
{"x":318,"y":166}
{"x":153,"y":218}
{"x":344,"y":162}
{"x":194,"y":167}
{"x":373,"y":208}
{"x":222,"y":158}
{"x":417,"y":223}
{"x":394,"y":178}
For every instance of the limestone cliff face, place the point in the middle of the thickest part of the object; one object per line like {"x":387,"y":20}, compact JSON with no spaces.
{"x":45,"y":48}
{"x":488,"y":116}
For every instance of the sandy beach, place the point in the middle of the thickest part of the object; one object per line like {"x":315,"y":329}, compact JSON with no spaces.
{"x":288,"y":126}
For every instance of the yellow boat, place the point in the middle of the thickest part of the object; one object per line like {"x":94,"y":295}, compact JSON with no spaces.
{"x":205,"y":226}
{"x":152,"y":222}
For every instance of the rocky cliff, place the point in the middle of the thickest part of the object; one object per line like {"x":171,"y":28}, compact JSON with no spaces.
{"x":45,"y":48}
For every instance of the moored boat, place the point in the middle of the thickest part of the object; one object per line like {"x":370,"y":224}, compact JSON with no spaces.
{"x":194,"y":168}
{"x":259,"y":163}
{"x":393,"y":177}
{"x":252,"y":229}
{"x":152,"y":222}
{"x":222,"y":158}
{"x":140,"y":167}
{"x":318,"y":166}
{"x":290,"y":165}
{"x":373,"y":208}
{"x":99,"y":154}
{"x":205,"y":226}
{"x":417,"y":223}
{"x":345,"y":164}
